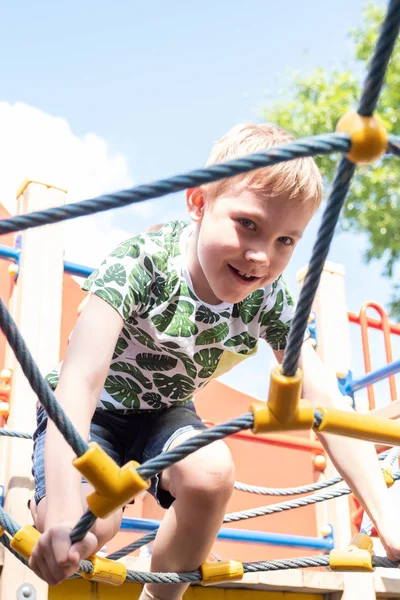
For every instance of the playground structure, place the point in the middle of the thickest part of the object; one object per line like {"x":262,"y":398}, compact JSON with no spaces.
{"x":362,"y":139}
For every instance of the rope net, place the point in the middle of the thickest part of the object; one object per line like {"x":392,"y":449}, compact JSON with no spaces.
{"x":341,"y":142}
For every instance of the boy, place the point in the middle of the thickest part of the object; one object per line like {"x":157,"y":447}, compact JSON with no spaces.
{"x":168,"y":311}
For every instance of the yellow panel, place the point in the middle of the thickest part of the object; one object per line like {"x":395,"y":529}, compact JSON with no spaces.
{"x":85,"y":590}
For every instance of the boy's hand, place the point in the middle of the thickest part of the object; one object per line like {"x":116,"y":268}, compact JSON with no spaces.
{"x":54,"y":558}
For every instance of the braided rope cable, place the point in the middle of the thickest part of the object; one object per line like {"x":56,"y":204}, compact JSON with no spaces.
{"x":304,"y":489}
{"x":283,"y":506}
{"x":38,"y":383}
{"x":320,"y":251}
{"x":16,"y":434}
{"x":146,"y":539}
{"x":148,"y":469}
{"x":318,"y":145}
{"x":8,"y":523}
{"x":380,"y":60}
{"x":85,"y":523}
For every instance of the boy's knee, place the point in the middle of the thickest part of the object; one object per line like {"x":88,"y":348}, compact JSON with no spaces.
{"x":210,"y":476}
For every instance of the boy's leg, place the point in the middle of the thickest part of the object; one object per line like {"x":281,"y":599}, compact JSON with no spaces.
{"x":202,"y":485}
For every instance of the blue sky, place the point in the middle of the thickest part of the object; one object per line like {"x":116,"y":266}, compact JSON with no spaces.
{"x":156,"y":83}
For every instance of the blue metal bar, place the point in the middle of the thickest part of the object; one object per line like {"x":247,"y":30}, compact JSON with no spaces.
{"x":78,"y":270}
{"x":13,"y":254}
{"x":243,"y":535}
{"x":374,"y":377}
{"x":8,"y":253}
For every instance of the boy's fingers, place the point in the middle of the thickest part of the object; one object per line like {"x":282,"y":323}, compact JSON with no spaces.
{"x":60,"y":544}
{"x":83,"y":549}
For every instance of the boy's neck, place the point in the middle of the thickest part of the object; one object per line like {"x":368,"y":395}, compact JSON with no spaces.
{"x":199,"y":281}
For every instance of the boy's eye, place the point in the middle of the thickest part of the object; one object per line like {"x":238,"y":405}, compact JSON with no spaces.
{"x":248,"y":223}
{"x":288,"y":241}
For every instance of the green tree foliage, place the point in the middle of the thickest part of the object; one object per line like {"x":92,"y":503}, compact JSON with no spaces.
{"x":314,"y":105}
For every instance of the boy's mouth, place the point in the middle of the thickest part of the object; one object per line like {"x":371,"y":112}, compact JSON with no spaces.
{"x":243,"y":275}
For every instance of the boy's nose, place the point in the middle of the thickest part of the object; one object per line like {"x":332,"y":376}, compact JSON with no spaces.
{"x":258,"y":257}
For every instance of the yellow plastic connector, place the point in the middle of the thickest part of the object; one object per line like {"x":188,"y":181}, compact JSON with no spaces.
{"x":224,"y":570}
{"x":284,"y":410}
{"x":284,"y":394}
{"x":114,"y":486}
{"x":388,"y":476}
{"x":356,"y":557}
{"x":25,"y":540}
{"x":106,"y":571}
{"x":2,"y":531}
{"x":357,"y":425}
{"x":368,"y":137}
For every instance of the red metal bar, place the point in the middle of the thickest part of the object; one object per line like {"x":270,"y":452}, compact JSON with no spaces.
{"x":374,"y":323}
{"x":280,"y":440}
{"x":385,"y":328}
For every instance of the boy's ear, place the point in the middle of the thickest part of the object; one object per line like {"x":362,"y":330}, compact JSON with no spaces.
{"x":195,"y":203}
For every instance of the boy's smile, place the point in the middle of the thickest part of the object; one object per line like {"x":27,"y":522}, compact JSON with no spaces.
{"x":242,"y":242}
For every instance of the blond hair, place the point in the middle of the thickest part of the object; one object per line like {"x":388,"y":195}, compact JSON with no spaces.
{"x":299,"y":178}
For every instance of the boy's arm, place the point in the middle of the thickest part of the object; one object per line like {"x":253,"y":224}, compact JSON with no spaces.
{"x":355,"y":460}
{"x":81,"y":379}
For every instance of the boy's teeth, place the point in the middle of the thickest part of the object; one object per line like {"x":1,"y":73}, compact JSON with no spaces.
{"x":244,"y":275}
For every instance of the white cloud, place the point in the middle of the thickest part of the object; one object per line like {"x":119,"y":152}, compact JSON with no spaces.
{"x":36,"y":145}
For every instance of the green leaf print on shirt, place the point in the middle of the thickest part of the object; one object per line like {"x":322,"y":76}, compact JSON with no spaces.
{"x":154,"y":400}
{"x":108,"y":405}
{"x":52,"y":379}
{"x":111,"y":295}
{"x":213,"y":335}
{"x":156,"y":362}
{"x":123,"y":390}
{"x":128,"y":248}
{"x":274,"y":313}
{"x":243,"y":338}
{"x":206,"y":315}
{"x":116,"y":273}
{"x":160,"y":259}
{"x":148,"y":265}
{"x":250,"y":306}
{"x":126,"y":308}
{"x":176,"y":387}
{"x":142,"y":337}
{"x":120,"y":347}
{"x":277,"y":336}
{"x":288,"y":295}
{"x":140,"y":283}
{"x":129,"y":369}
{"x":175,"y":320}
{"x":207,"y":358}
{"x":189,"y":365}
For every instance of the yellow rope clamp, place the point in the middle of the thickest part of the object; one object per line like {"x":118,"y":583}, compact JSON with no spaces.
{"x":368,"y":137}
{"x":388,"y":476}
{"x":114,"y":486}
{"x":106,"y":571}
{"x":356,"y":557}
{"x":364,"y":427}
{"x":284,"y":410}
{"x":224,"y":570}
{"x":25,"y":540}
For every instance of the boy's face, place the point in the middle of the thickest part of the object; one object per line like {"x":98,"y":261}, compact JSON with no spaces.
{"x":243,"y":241}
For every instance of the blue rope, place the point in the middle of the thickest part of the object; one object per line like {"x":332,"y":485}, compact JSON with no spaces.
{"x":323,"y":144}
{"x":320,"y":251}
{"x":380,"y":61}
{"x":38,"y":383}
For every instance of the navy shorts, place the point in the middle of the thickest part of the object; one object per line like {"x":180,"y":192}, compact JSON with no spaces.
{"x":125,"y":435}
